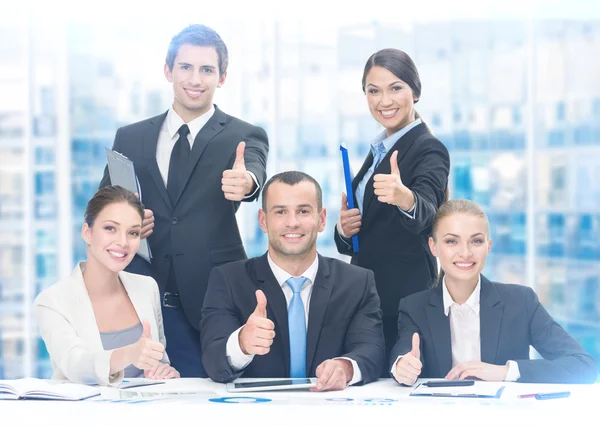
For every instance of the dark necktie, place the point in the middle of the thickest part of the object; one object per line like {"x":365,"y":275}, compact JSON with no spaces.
{"x":178,"y":164}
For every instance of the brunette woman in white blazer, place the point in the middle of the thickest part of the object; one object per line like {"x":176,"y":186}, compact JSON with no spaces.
{"x":101,"y":324}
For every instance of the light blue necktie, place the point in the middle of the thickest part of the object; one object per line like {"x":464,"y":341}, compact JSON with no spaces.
{"x":297,"y":328}
{"x":379,"y":153}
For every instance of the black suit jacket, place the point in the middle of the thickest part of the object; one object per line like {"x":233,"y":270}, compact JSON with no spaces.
{"x":511,"y":319}
{"x":391,"y":244}
{"x":344,"y":319}
{"x":200,"y":231}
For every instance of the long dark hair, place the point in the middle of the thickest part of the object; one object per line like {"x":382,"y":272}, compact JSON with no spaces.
{"x":449,"y":208}
{"x":398,"y":63}
{"x":107,"y":196}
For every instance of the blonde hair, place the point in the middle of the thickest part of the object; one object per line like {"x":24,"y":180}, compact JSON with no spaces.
{"x":449,"y":208}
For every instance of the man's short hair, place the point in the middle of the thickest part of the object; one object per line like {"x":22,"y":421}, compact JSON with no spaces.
{"x":199,"y":35}
{"x":292,"y":177}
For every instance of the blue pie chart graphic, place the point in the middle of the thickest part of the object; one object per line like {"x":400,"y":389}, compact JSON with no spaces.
{"x":239,"y":400}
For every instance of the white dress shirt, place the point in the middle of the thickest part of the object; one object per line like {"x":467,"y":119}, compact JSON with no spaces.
{"x":465,"y":334}
{"x":168,"y":136}
{"x":239,"y":360}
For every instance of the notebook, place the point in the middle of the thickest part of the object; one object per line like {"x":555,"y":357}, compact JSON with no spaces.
{"x":42,"y":389}
{"x":479,"y":389}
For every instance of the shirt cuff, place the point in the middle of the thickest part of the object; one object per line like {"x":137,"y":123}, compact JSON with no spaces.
{"x":339,"y":229}
{"x":255,"y":182}
{"x":393,"y":369}
{"x":357,"y":374}
{"x":411,"y":213}
{"x":236,"y":358}
{"x":513,"y":372}
{"x":343,"y":238}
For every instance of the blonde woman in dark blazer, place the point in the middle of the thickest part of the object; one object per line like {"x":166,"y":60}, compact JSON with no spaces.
{"x":470,"y":327}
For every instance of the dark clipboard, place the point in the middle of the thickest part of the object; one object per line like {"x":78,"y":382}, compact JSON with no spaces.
{"x":122,"y":172}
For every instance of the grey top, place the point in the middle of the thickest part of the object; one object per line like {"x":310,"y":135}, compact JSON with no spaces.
{"x":118,"y":339}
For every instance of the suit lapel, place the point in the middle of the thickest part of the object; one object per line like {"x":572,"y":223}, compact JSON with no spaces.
{"x":150,"y":142}
{"x":276,"y":303}
{"x":211,"y":129}
{"x":142,"y":308}
{"x":319,"y":300}
{"x":439,"y":327}
{"x":402,"y":145}
{"x":490,"y":317}
{"x":85,"y":311}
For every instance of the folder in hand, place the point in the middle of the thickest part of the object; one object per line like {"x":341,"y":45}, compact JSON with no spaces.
{"x":349,"y":191}
{"x":122,"y":173}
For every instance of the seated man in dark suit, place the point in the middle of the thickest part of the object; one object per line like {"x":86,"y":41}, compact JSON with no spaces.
{"x":468,"y":326}
{"x":292,"y":312}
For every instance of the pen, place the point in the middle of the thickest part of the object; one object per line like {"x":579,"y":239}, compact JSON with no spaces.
{"x":542,"y":396}
{"x":527,"y":395}
{"x":552,"y":395}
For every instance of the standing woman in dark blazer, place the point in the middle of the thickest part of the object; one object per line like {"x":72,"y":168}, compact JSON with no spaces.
{"x":398,"y":189}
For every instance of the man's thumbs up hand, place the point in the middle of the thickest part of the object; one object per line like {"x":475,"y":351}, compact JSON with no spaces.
{"x":256,"y":337}
{"x":237,"y":182}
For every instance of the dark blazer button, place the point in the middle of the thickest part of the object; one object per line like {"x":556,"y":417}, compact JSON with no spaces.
{"x":167,"y":257}
{"x":174,"y":221}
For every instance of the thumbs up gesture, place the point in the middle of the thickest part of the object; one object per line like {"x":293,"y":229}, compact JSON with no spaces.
{"x":408,"y":368}
{"x":145,"y":354}
{"x":237,"y":182}
{"x":257,"y":335}
{"x":390,"y":189}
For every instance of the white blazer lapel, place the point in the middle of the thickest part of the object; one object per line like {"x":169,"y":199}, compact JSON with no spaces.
{"x":83,"y":312}
{"x":142,"y":303}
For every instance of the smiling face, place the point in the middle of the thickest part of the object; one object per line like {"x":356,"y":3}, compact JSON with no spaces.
{"x":114,"y":237}
{"x":195,"y":77}
{"x":292,"y":221}
{"x":461,"y":243}
{"x":391,"y":100}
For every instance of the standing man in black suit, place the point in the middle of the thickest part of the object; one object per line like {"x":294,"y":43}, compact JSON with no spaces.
{"x":194,"y":164}
{"x":292,"y":312}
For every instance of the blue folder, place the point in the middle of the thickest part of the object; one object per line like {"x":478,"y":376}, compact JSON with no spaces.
{"x":349,"y":192}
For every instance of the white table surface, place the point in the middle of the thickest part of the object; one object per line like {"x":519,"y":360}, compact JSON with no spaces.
{"x":188,"y":401}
